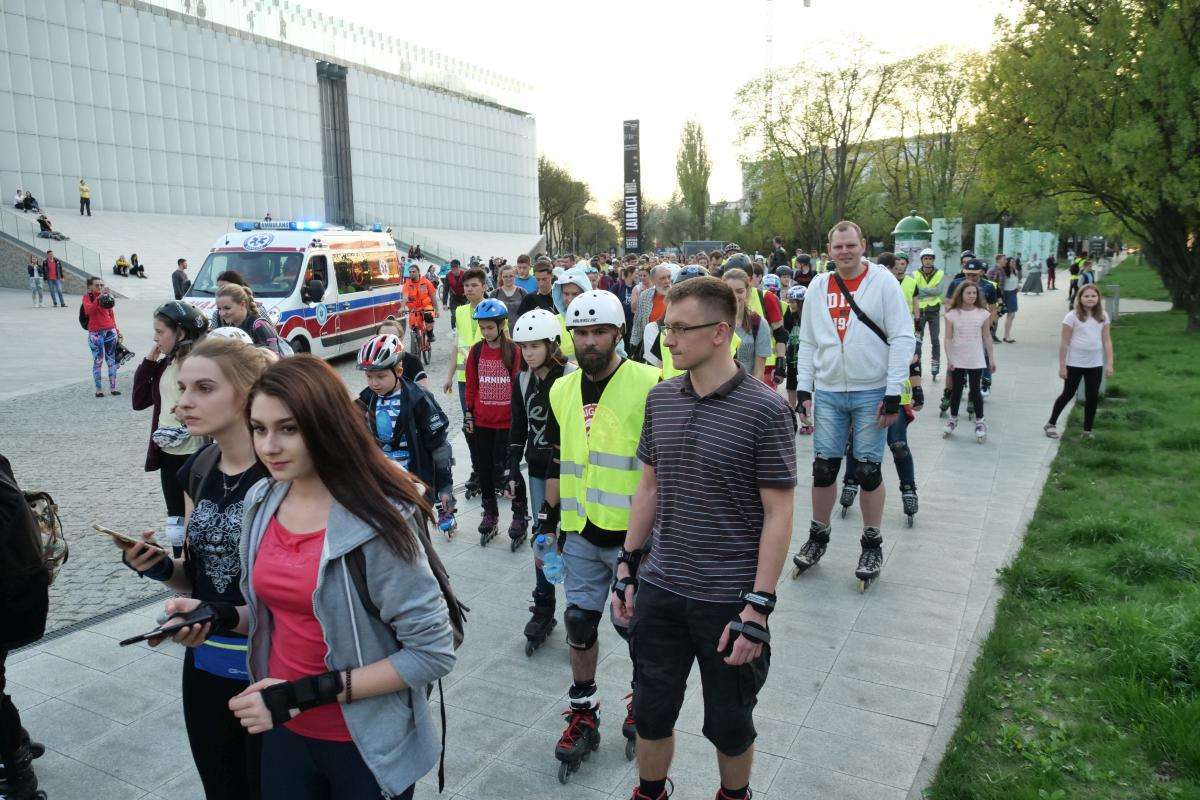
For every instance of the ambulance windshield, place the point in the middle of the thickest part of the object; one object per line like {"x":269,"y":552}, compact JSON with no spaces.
{"x":267,"y":274}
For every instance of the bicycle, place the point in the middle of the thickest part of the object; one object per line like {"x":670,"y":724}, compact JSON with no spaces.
{"x":420,"y":322}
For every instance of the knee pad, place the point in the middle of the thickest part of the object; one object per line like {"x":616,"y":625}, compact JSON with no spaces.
{"x":582,"y":627}
{"x":900,"y":450}
{"x":825,"y":471}
{"x":869,"y":475}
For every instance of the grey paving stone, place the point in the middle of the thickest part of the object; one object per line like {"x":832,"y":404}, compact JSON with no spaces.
{"x":461,"y":766}
{"x":184,"y":786}
{"x":606,"y":770}
{"x":64,"y":778}
{"x":798,"y":780}
{"x":883,"y":699}
{"x":93,"y":650}
{"x":23,"y":697}
{"x":156,"y":671}
{"x":152,"y":750}
{"x":501,"y":781}
{"x":872,"y":668}
{"x":51,"y":675}
{"x":119,"y":699}
{"x":888,"y":649}
{"x":895,"y":768}
{"x":871,"y":727}
{"x":65,"y":727}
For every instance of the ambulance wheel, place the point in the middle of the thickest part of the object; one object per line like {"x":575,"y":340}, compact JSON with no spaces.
{"x":299,"y":344}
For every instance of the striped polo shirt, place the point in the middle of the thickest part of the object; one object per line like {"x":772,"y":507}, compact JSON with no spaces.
{"x":710,"y":456}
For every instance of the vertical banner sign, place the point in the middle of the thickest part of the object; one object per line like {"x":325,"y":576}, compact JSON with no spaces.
{"x":987,"y":242}
{"x":1014,"y":241}
{"x":947,"y":243}
{"x":633,"y":188}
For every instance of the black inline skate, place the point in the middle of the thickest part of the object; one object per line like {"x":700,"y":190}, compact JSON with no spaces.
{"x":582,"y":736}
{"x":849,"y":493}
{"x":518,"y":530}
{"x":812,"y":550}
{"x":489,"y":526}
{"x":538,"y":629}
{"x":944,"y":406}
{"x":18,"y":780}
{"x":472,"y":486}
{"x":908,"y":496}
{"x":918,"y":398}
{"x":629,"y":729}
{"x":935,"y":368}
{"x":870,"y":561}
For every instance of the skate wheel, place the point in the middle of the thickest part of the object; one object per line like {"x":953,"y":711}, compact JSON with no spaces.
{"x":630,"y":749}
{"x":863,"y":585}
{"x":911,"y":518}
{"x":845,"y":511}
{"x":564,"y":772}
{"x":483,"y":539}
{"x":943,"y":412}
{"x":529,"y":648}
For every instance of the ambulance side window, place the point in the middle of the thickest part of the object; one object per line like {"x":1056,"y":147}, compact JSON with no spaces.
{"x":317,"y":270}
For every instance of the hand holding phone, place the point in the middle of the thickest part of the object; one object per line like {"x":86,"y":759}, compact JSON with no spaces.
{"x":188,"y":622}
{"x":139,"y":552}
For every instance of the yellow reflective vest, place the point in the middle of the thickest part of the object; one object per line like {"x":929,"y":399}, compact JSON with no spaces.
{"x":565,"y":341}
{"x":668,"y":365}
{"x":934,"y":282}
{"x":599,"y":471}
{"x":754,"y":303}
{"x":467,"y":330}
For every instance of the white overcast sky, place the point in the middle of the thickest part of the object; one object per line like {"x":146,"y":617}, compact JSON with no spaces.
{"x":595,"y":64}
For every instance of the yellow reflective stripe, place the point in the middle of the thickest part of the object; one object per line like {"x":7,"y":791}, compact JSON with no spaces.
{"x":610,"y":499}
{"x":570,"y":468}
{"x":612,"y":461}
{"x":223,"y":646}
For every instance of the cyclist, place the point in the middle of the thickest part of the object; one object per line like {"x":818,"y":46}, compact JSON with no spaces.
{"x":421,"y":298}
{"x":407,"y":422}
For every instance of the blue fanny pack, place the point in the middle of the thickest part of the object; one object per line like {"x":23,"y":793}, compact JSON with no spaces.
{"x":223,"y":656}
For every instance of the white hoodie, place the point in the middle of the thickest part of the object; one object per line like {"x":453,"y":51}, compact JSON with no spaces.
{"x":861,"y":361}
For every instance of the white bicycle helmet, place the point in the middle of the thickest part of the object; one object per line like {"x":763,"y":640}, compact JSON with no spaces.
{"x":595,"y":307}
{"x":230,"y":332}
{"x":380,"y":352}
{"x":535,"y":325}
{"x":797,"y":292}
{"x":928,"y":251}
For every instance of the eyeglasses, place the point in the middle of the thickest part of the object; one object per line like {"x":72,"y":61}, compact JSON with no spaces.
{"x":675,"y":330}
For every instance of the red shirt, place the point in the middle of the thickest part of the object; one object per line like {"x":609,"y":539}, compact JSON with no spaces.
{"x":285,"y":578}
{"x":455,"y":281}
{"x":53,"y":271}
{"x":771,"y":308}
{"x":99,"y":318}
{"x":658,"y":306}
{"x":489,"y":386}
{"x":839,"y":309}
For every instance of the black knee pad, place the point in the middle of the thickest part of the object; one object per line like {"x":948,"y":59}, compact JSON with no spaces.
{"x":900,"y":450}
{"x":582,"y":627}
{"x":825,"y":471}
{"x":870,"y":476}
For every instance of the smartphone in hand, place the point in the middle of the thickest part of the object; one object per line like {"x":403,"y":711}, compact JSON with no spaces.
{"x":128,"y":538}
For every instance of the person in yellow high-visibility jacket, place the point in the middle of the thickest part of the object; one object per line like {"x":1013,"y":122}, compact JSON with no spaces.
{"x":596,"y":421}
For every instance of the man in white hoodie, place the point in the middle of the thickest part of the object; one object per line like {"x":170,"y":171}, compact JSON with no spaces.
{"x":849,"y":369}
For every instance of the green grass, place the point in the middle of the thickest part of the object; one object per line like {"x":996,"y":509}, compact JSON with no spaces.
{"x":1089,"y":684}
{"x":1137,"y":280}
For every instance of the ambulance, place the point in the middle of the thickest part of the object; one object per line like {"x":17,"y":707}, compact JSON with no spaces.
{"x":325,"y":288}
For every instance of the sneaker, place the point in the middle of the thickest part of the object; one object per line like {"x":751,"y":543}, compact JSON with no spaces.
{"x":1050,"y":431}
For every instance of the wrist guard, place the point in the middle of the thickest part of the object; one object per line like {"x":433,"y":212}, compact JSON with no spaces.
{"x":631,"y":560}
{"x":225,"y":616}
{"x":891,"y":404}
{"x":301,"y":694}
{"x":751,"y":630}
{"x":801,"y":397}
{"x":547,"y":518}
{"x":762,"y":602}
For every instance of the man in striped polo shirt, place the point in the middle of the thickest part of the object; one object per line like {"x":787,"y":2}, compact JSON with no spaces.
{"x":718,"y":480}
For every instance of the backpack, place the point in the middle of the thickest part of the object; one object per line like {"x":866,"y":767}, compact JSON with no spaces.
{"x":282,"y":348}
{"x":205,"y":461}
{"x":54,"y":547}
{"x":83,"y":319}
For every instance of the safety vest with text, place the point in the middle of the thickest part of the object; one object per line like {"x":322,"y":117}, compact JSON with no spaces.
{"x":467,"y":330}
{"x":934,"y":282}
{"x":598,"y":467}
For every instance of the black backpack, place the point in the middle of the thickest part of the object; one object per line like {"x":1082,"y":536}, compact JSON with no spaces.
{"x":83,"y":320}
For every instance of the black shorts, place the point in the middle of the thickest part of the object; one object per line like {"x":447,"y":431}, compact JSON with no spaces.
{"x":667,"y":634}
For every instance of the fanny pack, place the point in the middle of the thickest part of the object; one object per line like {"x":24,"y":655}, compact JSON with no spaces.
{"x":223,"y":656}
{"x":169,"y":436}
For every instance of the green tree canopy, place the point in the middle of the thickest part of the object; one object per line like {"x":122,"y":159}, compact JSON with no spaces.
{"x":693,"y":168}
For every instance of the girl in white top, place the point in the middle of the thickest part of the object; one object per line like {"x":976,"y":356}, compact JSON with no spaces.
{"x":968,"y":344}
{"x":1085,"y":353}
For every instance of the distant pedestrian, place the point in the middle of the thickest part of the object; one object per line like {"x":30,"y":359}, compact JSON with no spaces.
{"x":1085,"y":353}
{"x":37,"y":274}
{"x":85,"y":198}
{"x":52,"y":270}
{"x":98,"y":306}
{"x":180,"y":281}
{"x":135,"y":267}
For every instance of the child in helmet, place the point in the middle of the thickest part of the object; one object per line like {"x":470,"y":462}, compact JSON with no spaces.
{"x":407,"y":422}
{"x":791,"y":324}
{"x":492,"y":367}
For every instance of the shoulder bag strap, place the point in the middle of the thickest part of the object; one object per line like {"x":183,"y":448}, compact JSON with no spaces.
{"x":858,"y":312}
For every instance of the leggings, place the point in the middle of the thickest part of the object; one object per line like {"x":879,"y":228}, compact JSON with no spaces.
{"x":12,"y":735}
{"x":295,"y":767}
{"x":226,"y":757}
{"x":489,"y":454}
{"x":543,"y":593}
{"x":103,"y":345}
{"x":168,"y":469}
{"x":958,"y":378}
{"x":897,"y":439}
{"x":931,"y":316}
{"x":1091,"y":393}
{"x":1072,"y":290}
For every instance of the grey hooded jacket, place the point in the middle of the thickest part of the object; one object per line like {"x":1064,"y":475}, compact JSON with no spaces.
{"x":395,"y":733}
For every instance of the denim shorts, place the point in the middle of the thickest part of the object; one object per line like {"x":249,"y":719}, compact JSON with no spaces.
{"x":589,"y":572}
{"x":837,"y":413}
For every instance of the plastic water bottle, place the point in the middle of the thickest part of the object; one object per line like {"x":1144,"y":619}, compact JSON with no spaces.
{"x":544,"y":546}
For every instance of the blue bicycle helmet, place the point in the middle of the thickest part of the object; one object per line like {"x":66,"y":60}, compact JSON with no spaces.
{"x":771,"y":282}
{"x":490,"y":309}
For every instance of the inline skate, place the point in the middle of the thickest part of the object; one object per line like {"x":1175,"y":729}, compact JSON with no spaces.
{"x":489,"y":526}
{"x":812,"y":550}
{"x":980,"y":431}
{"x":908,"y":496}
{"x":951,"y":424}
{"x":447,"y":522}
{"x":870,"y":561}
{"x":582,"y":735}
{"x":472,"y":486}
{"x":629,"y":729}
{"x":538,"y":629}
{"x":518,"y":530}
{"x":849,"y":493}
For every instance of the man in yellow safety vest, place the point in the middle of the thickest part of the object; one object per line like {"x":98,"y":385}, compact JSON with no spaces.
{"x":596,"y":423}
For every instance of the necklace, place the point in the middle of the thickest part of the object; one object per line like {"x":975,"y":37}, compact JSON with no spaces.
{"x":227,"y":489}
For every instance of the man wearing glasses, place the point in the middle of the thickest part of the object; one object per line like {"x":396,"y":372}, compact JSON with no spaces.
{"x":718,"y":478}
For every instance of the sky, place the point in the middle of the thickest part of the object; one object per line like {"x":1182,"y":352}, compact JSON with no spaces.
{"x":595,"y":64}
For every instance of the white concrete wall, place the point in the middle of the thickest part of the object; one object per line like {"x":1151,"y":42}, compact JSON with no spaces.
{"x":162,"y":115}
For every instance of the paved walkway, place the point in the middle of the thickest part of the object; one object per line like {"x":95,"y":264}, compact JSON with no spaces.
{"x":863,"y":689}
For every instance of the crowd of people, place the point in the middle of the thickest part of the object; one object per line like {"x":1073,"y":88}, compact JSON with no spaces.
{"x":641,"y":416}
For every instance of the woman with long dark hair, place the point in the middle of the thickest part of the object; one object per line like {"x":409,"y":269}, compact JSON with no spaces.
{"x":1010,"y":281}
{"x":336,"y":663}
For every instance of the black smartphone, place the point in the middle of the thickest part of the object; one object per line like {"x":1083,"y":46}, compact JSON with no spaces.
{"x":176,"y":622}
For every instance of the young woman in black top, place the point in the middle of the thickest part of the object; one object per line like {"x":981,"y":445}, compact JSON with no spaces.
{"x":214,"y":381}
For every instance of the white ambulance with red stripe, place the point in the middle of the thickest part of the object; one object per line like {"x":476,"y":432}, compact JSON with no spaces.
{"x":325,"y":288}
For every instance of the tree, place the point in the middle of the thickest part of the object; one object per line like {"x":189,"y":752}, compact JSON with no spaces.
{"x":810,"y":130}
{"x":562,"y":201}
{"x":594,"y":233}
{"x":693,"y":168}
{"x":1099,"y":101}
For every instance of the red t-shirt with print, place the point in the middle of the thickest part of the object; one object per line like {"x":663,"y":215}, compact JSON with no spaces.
{"x":839,"y":308}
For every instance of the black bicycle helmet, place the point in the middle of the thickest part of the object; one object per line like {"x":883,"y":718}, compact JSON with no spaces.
{"x":738,"y":261}
{"x":184,"y":316}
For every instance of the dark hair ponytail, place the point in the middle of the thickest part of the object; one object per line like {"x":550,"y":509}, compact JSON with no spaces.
{"x":347,"y":460}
